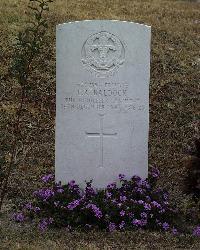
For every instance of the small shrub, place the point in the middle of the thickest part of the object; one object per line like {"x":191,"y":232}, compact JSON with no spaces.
{"x":127,"y":205}
{"x":27,"y":48}
{"x":196,"y":231}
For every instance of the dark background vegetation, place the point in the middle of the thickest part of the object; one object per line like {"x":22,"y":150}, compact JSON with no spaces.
{"x":174,"y":112}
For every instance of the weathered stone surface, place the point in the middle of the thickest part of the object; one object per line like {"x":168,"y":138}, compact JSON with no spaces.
{"x":102,"y":101}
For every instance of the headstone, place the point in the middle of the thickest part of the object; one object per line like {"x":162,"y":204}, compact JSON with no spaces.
{"x":102,"y":101}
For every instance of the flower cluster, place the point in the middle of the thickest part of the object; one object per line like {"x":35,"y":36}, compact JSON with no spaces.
{"x":196,"y":231}
{"x":44,"y":193}
{"x":44,"y":223}
{"x":18,"y":217}
{"x":97,"y":212}
{"x":126,"y":204}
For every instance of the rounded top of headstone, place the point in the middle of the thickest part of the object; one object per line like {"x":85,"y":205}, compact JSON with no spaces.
{"x":104,"y":21}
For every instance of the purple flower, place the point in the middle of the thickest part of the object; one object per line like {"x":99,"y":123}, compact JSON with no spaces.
{"x":114,"y":201}
{"x":143,"y":222}
{"x":130,"y":215}
{"x":165,"y":196}
{"x":18,"y":217}
{"x":137,"y":180}
{"x":108,"y":195}
{"x":60,"y":190}
{"x":137,"y":222}
{"x":121,"y":177}
{"x":73,"y":204}
{"x":130,"y":196}
{"x":36,"y":209}
{"x":143,"y":215}
{"x":139,"y":190}
{"x":122,"y":198}
{"x":155,"y":173}
{"x":112,"y":227}
{"x":174,"y":231}
{"x":122,"y":213}
{"x":95,"y":210}
{"x":165,"y":226}
{"x":50,"y":220}
{"x":72,"y":183}
{"x":156,"y":204}
{"x":141,"y":202}
{"x":44,"y":223}
{"x":147,"y":206}
{"x":112,"y":185}
{"x":90,"y":191}
{"x":74,"y":187}
{"x":44,"y":193}
{"x":121,"y":225}
{"x":145,"y":184}
{"x":28,"y":206}
{"x":47,"y":178}
{"x":196,"y":231}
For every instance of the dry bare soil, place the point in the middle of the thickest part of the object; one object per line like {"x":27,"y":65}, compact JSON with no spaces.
{"x":174,"y":112}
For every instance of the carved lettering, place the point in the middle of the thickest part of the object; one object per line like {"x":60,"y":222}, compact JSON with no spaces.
{"x":96,"y":96}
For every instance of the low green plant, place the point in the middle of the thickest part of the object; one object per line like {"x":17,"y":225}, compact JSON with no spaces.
{"x":127,"y":205}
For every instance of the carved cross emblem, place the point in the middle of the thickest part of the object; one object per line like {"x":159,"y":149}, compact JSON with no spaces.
{"x":103,"y":47}
{"x":101,"y":134}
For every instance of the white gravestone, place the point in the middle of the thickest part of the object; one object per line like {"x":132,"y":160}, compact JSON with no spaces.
{"x":102,"y":101}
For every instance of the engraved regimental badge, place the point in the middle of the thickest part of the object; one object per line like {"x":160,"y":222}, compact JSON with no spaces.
{"x":103,"y":53}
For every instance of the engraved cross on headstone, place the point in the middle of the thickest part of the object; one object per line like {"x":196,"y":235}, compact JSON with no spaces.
{"x":101,"y":135}
{"x":103,"y":47}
